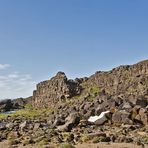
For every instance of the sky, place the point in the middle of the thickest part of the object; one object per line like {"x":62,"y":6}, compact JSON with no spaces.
{"x":38,"y":38}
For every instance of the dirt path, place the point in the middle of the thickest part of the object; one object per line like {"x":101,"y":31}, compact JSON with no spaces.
{"x":113,"y":145}
{"x":87,"y":145}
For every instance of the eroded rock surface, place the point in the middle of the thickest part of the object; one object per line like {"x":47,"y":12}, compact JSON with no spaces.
{"x":56,"y":89}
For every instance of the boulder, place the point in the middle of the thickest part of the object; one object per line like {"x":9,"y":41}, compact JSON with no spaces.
{"x":2,"y":126}
{"x":23,"y":125}
{"x":10,"y":125}
{"x":126,"y":106}
{"x":90,"y":112}
{"x":71,"y":121}
{"x":140,"y":101}
{"x":99,"y":120}
{"x":36,"y":126}
{"x":58,"y":121}
{"x":121,"y":116}
{"x":142,"y":117}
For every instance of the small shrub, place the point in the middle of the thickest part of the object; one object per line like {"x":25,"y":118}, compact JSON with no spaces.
{"x":77,"y":97}
{"x":29,"y":107}
{"x":96,"y":140}
{"x":145,"y":140}
{"x":90,"y":98}
{"x":43,"y":142}
{"x":100,"y":139}
{"x":94,"y":90}
{"x":85,"y":138}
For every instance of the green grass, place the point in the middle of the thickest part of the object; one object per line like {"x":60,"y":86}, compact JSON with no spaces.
{"x":94,"y":90}
{"x":3,"y":116}
{"x":96,"y":139}
{"x":28,"y":112}
{"x":145,"y":140}
{"x":85,"y":85}
{"x":100,"y":139}
{"x":77,"y":97}
{"x":90,"y":98}
{"x":43,"y":142}
{"x":84,"y":138}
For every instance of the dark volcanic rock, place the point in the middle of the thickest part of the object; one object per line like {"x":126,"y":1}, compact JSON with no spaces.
{"x":18,"y":103}
{"x":5,"y":105}
{"x":123,"y":79}
{"x":124,"y":83}
{"x":58,"y":121}
{"x":71,"y":121}
{"x":142,"y":116}
{"x":54,"y":90}
{"x":121,"y":116}
{"x":101,"y":121}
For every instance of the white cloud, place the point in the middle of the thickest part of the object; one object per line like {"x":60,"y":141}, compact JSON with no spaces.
{"x":4,"y":66}
{"x":16,"y":85}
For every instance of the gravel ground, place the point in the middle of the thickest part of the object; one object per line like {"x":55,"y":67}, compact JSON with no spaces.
{"x":87,"y":145}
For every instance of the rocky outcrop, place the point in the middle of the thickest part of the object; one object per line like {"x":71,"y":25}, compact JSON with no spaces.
{"x":123,"y":79}
{"x":5,"y":105}
{"x":14,"y":104}
{"x":56,"y":89}
{"x":20,"y":103}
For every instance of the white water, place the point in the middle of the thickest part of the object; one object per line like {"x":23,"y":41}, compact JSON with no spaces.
{"x":9,"y":112}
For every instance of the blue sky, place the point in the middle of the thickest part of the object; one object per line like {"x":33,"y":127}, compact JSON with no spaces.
{"x":40,"y":37}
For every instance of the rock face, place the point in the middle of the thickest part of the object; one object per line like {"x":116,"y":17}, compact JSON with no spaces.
{"x":19,"y":103}
{"x":5,"y":105}
{"x":57,"y":88}
{"x":123,"y":79}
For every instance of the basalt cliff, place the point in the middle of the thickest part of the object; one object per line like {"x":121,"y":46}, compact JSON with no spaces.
{"x":125,"y":81}
{"x":109,"y":106}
